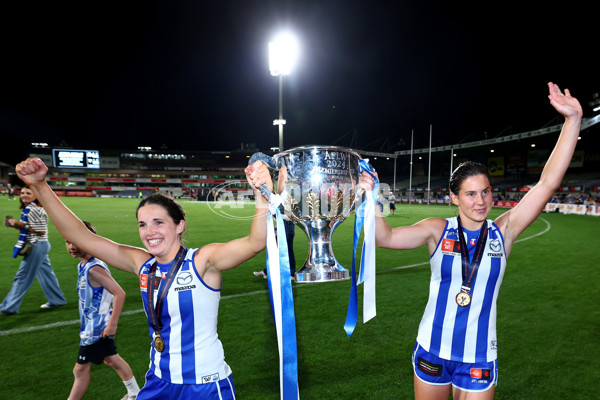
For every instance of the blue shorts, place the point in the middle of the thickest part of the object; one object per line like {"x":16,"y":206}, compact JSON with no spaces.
{"x":156,"y":388}
{"x":469,"y":377}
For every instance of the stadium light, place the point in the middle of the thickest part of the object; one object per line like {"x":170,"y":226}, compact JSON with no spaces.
{"x":283,"y":52}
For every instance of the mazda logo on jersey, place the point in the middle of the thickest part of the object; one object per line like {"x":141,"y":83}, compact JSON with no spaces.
{"x":184,"y":277}
{"x":495,"y":245}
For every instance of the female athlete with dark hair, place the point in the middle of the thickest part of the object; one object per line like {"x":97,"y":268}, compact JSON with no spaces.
{"x":456,"y":343}
{"x":180,"y":287}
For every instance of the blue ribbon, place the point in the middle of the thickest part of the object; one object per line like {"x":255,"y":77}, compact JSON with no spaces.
{"x":359,"y":219}
{"x":287,"y":330}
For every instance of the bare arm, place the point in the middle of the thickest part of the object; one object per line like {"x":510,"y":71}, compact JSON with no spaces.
{"x":99,"y":277}
{"x":425,"y":232}
{"x":128,"y":258}
{"x":18,"y":224}
{"x":513,"y":222}
{"x":217,"y":257}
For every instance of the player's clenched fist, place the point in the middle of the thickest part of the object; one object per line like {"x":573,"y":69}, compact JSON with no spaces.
{"x":32,"y":170}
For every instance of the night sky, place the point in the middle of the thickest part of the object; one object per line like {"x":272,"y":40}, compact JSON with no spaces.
{"x":194,"y":75}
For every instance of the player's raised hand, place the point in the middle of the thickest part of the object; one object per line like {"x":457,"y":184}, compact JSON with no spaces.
{"x":564,"y":103}
{"x":366,"y":181}
{"x":258,"y":174}
{"x":32,"y":171}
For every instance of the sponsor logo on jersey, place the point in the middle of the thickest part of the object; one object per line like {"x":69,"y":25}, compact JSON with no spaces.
{"x":184,"y":278}
{"x":481,"y":373}
{"x":144,"y":281}
{"x":495,"y":245}
{"x":429,"y":368}
{"x":186,"y":287}
{"x":210,"y":378}
{"x":183,"y":281}
{"x":450,"y":246}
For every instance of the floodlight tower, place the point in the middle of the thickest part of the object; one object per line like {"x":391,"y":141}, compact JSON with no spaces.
{"x":282,"y":57}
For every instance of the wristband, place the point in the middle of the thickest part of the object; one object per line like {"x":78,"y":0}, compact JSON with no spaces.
{"x":26,"y":227}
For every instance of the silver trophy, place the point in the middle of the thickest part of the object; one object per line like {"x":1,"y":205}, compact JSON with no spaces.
{"x":317,"y":185}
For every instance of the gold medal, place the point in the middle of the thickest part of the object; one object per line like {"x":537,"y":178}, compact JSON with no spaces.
{"x":159,"y":343}
{"x":463,"y":299}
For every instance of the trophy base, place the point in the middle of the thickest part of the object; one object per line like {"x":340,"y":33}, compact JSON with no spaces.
{"x":322,"y":273}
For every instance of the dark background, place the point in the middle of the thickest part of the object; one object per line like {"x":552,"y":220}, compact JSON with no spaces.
{"x":194,"y":74}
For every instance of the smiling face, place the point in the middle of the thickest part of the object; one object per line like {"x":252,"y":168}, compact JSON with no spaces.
{"x":159,"y":233}
{"x":27,"y":196}
{"x":474,"y":201}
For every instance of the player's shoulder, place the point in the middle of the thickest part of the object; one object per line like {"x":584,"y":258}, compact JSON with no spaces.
{"x":434,"y":222}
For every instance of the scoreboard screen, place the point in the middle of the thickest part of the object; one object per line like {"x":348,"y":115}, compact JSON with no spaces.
{"x":69,"y":158}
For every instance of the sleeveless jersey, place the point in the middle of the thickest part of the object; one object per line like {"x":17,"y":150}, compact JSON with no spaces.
{"x":95,"y":303}
{"x":193,"y":353}
{"x":463,"y":334}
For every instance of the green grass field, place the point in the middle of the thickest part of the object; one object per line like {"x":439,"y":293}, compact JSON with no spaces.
{"x":548,"y":314}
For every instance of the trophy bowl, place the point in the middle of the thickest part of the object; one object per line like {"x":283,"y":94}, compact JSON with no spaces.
{"x":319,"y":185}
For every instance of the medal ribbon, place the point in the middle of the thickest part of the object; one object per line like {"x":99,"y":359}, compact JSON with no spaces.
{"x":282,"y":302}
{"x":364,"y":215}
{"x":154,"y":312}
{"x":469,"y":268}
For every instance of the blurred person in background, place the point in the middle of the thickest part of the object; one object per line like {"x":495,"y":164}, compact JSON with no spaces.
{"x":33,"y":230}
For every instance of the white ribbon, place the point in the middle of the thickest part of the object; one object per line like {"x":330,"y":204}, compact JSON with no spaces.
{"x":367,"y":261}
{"x":282,"y":303}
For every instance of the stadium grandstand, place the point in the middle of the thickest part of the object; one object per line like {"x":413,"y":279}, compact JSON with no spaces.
{"x":123,"y":173}
{"x":421,"y":175}
{"x":514,"y":162}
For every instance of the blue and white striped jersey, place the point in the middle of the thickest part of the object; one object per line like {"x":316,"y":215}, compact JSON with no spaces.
{"x":95,"y":303}
{"x":193,"y":353}
{"x":464,"y":334}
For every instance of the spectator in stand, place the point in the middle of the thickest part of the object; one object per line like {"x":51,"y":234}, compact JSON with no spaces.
{"x":498,"y":198}
{"x":570,"y":199}
{"x":589,"y":201}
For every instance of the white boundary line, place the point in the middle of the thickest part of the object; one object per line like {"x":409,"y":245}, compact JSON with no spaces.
{"x":548,"y":226}
{"x":76,"y":321}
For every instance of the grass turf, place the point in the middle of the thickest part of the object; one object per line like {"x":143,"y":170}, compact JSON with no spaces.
{"x":548,"y":314}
